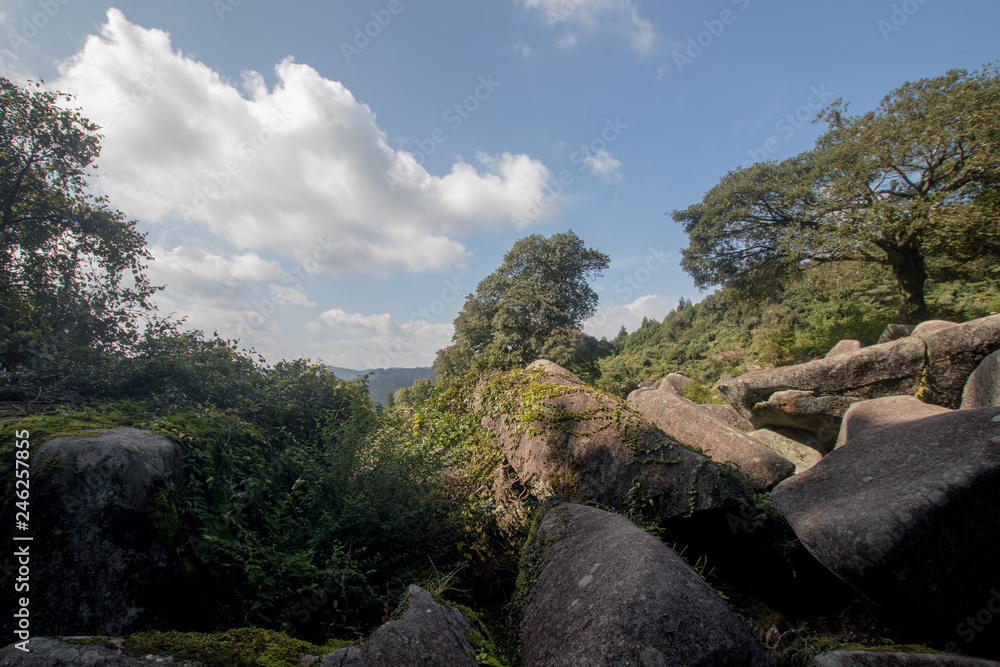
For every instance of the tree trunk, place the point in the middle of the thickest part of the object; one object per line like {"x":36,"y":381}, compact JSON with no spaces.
{"x":907,"y":262}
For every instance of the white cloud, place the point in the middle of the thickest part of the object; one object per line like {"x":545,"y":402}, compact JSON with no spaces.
{"x":610,"y":317}
{"x":576,"y":18}
{"x":278,"y":169}
{"x":522,"y":50}
{"x":387,"y":344}
{"x":604,"y":166}
{"x":357,"y":324}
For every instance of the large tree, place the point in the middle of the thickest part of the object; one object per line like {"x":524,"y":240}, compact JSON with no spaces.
{"x":533,"y":304}
{"x":914,"y":180}
{"x":71,"y":268}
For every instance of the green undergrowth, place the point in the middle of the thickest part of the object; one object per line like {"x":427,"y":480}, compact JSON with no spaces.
{"x":804,"y":648}
{"x":244,"y":647}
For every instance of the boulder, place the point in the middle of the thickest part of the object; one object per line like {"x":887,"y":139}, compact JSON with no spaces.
{"x":728,"y":414}
{"x":101,"y":560}
{"x":685,"y":421}
{"x":49,"y":652}
{"x":877,"y":412}
{"x":815,"y":395}
{"x":983,"y":388}
{"x":844,"y":347}
{"x":428,"y":635}
{"x":906,"y":513}
{"x":802,"y":456}
{"x":562,"y":437}
{"x":674,"y":382}
{"x":881,"y":659}
{"x":953,"y":355}
{"x":931,"y":326}
{"x":600,"y":591}
{"x":895,"y":332}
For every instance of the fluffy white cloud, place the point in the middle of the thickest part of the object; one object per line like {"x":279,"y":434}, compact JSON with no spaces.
{"x":387,"y":343}
{"x":583,"y":17}
{"x":279,"y":169}
{"x":604,"y":166}
{"x":609,"y":318}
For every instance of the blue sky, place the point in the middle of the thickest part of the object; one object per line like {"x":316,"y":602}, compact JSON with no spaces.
{"x":329,"y":180}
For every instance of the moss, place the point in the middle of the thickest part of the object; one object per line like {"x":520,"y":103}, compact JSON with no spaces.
{"x":245,"y":647}
{"x":804,"y":648}
{"x":701,"y":394}
{"x":166,"y":521}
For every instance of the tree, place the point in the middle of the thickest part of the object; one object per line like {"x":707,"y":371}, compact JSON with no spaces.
{"x":534,"y":304}
{"x":71,"y":268}
{"x":915,"y":180}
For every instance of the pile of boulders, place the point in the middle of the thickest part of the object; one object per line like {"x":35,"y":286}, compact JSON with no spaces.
{"x":883,"y":460}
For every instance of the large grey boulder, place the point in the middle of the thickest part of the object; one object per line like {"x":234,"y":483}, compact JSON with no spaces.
{"x":983,"y":388}
{"x":886,"y":411}
{"x":564,"y":438}
{"x":728,"y":414}
{"x":603,"y":592}
{"x":49,"y":652}
{"x":844,"y":348}
{"x":685,"y":421}
{"x":428,"y":635}
{"x":906,"y":513}
{"x":815,"y":395}
{"x":803,"y":456}
{"x":883,"y":659}
{"x":101,"y":560}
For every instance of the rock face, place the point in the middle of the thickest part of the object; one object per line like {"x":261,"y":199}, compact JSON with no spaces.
{"x":907,"y":514}
{"x":561,"y":436}
{"x":814,"y":396}
{"x":683,"y":420}
{"x":895,"y":332}
{"x":100,"y":562}
{"x":983,"y":387}
{"x":47,"y":652}
{"x":606,"y":593}
{"x":428,"y":635}
{"x":879,"y":659}
{"x":844,"y":347}
{"x":801,"y":455}
{"x":886,"y":411}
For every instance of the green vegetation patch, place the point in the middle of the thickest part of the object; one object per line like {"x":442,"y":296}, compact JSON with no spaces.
{"x":245,"y":647}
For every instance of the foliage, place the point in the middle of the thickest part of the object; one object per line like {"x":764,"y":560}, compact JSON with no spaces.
{"x":534,"y":304}
{"x":806,"y":318}
{"x":916,"y":178}
{"x":246,"y":646}
{"x":71,"y":269}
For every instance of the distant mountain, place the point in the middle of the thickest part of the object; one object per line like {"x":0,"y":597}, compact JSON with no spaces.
{"x":383,"y":380}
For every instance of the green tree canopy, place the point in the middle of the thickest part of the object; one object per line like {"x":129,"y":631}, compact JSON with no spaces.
{"x":914,"y":180}
{"x":534,"y":304}
{"x":71,"y":268}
